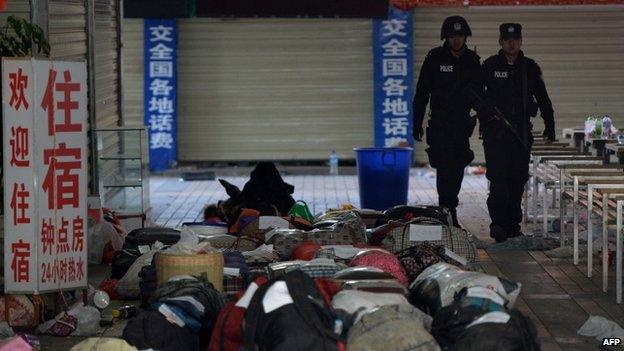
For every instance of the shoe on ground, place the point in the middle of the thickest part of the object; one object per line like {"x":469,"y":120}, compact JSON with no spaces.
{"x":498,"y":233}
{"x":515,"y":234}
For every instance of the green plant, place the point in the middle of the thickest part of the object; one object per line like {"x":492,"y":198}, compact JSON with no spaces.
{"x":19,"y":38}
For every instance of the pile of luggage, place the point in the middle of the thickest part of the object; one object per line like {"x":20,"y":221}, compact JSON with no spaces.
{"x":352,"y":279}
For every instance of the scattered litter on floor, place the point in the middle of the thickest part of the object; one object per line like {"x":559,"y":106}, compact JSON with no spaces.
{"x":601,"y":328}
{"x":560,"y":252}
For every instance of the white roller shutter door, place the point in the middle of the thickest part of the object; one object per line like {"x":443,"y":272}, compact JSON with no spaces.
{"x":265,"y":89}
{"x":579,"y":48}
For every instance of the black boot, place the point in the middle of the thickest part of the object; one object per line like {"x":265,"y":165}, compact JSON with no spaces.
{"x":498,"y":233}
{"x":455,"y":221}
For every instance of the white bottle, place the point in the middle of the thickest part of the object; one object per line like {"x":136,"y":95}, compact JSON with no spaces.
{"x":333,"y":163}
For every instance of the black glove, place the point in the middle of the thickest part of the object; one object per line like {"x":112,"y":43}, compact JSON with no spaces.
{"x":418,"y":133}
{"x":549,"y":133}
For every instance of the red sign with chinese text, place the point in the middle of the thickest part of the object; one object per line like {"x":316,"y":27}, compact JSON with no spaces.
{"x":45,"y":124}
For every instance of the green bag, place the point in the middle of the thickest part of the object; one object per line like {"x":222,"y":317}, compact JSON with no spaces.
{"x":301,"y":209}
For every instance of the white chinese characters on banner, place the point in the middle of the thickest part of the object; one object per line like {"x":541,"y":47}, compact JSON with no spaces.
{"x":160,"y":75}
{"x":394,"y":27}
{"x":45,"y":128}
{"x":394,"y":69}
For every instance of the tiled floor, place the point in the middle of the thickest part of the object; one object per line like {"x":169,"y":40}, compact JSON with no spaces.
{"x":555,"y":294}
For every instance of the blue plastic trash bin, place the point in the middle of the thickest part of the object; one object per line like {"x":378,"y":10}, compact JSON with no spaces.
{"x":383,"y":175}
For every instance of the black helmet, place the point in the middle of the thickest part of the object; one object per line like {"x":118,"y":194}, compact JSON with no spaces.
{"x":455,"y":25}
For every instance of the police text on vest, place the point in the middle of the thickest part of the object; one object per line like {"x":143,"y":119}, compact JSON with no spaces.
{"x":498,"y":74}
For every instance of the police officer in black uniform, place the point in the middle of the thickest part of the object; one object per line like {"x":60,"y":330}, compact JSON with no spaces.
{"x":445,"y":77}
{"x":514,"y":86}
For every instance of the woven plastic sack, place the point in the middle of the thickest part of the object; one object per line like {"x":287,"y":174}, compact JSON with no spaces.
{"x":361,"y":303}
{"x":391,"y":328}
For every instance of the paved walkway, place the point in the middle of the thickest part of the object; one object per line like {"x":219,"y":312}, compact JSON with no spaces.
{"x":555,"y":293}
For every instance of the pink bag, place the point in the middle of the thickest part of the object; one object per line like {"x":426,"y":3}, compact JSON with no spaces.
{"x":383,"y":260}
{"x":15,"y":343}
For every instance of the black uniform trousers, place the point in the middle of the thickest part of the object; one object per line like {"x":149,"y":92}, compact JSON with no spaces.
{"x":507,"y":163}
{"x":449,"y":153}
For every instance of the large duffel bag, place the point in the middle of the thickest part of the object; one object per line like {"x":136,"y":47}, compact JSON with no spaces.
{"x":285,"y":240}
{"x":148,"y":236}
{"x":459,"y":241}
{"x":404,"y":212}
{"x":437,"y":286}
{"x":468,"y":305}
{"x":290,"y":313}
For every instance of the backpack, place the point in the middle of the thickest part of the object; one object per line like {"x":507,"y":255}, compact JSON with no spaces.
{"x":150,"y":329}
{"x":290,"y":313}
{"x":227,"y":334}
{"x":199,"y":289}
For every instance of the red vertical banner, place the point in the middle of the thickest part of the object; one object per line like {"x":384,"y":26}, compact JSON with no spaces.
{"x":45,"y":148}
{"x":18,"y":114}
{"x":60,"y":163}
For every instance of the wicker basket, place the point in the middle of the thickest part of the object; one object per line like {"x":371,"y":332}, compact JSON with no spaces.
{"x":169,"y":265}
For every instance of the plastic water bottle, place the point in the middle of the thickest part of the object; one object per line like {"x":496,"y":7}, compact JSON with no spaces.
{"x":333,"y":163}
{"x":606,"y":126}
{"x":598,"y":129}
